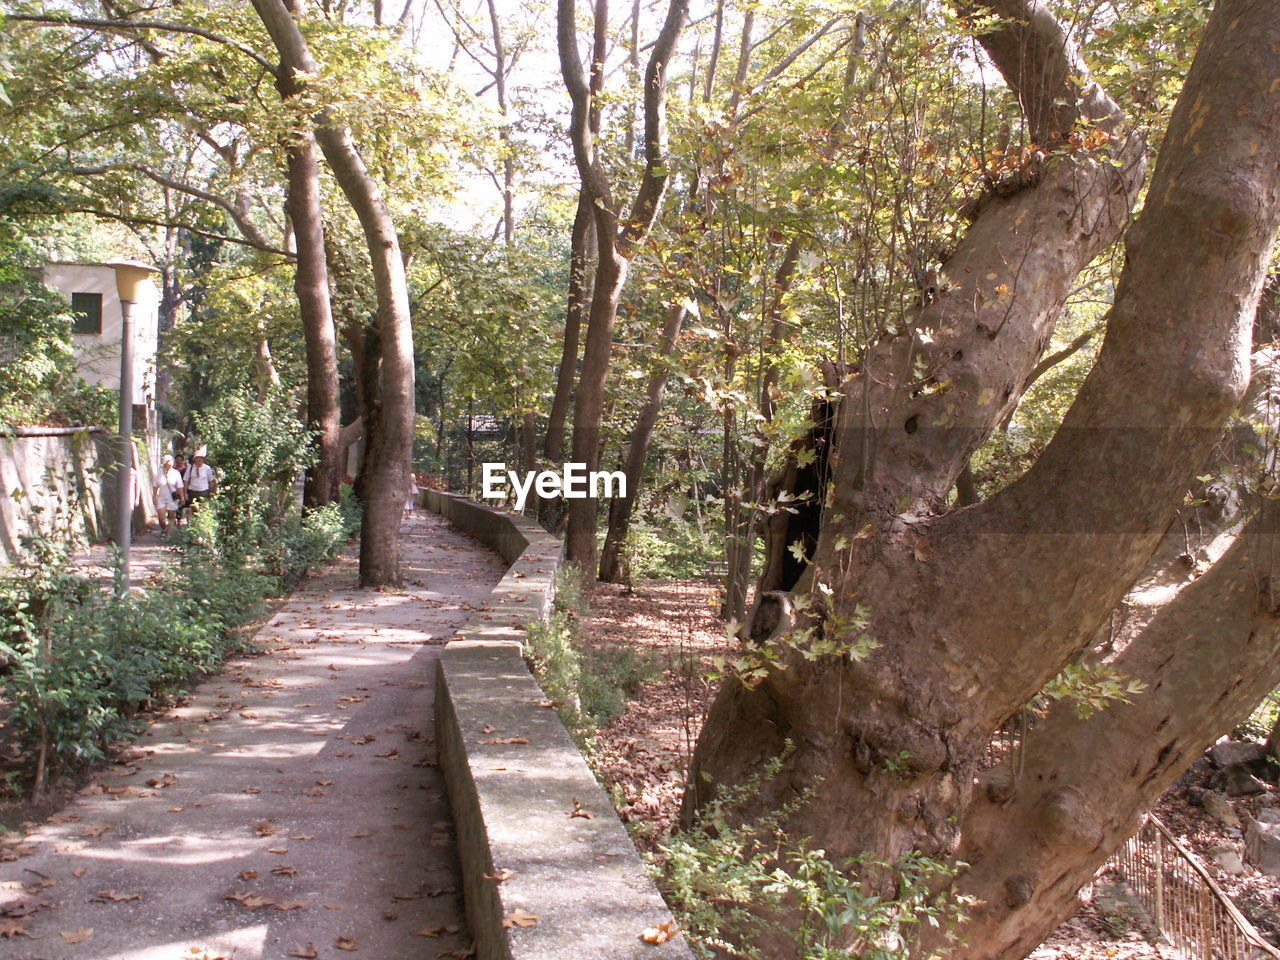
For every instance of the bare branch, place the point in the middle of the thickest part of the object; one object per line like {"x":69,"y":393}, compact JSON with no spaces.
{"x":127,"y":27}
{"x":649,"y":197}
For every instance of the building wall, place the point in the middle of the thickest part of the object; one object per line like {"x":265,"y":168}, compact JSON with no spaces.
{"x":62,"y":483}
{"x":98,"y":355}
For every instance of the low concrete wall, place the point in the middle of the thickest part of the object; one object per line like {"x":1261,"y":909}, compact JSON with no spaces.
{"x":516,"y":779}
{"x":62,"y":479}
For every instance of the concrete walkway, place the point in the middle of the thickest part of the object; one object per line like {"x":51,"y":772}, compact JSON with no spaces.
{"x":291,"y":809}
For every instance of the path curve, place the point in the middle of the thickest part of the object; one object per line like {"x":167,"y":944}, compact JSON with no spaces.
{"x":300,"y":782}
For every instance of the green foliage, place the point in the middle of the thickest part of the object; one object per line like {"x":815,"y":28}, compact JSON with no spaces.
{"x":303,"y":540}
{"x":1263,"y":720}
{"x":829,"y":634}
{"x":611,"y":678}
{"x":659,"y":549}
{"x":38,"y":379}
{"x":81,"y":661}
{"x":729,"y":884}
{"x":1091,"y":687}
{"x":258,"y":448}
{"x":588,"y":685}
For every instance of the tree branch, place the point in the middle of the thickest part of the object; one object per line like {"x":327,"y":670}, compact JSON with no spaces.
{"x":127,"y":27}
{"x":1207,"y":658}
{"x":654,"y":183}
{"x":179,"y":225}
{"x":1172,"y":366}
{"x":246,"y":226}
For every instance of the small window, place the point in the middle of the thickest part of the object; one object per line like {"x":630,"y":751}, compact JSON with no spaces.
{"x":87,"y":308}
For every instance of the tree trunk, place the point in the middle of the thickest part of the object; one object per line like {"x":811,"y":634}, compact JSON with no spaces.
{"x":580,"y":253}
{"x":973,"y":611}
{"x":611,"y":274}
{"x":311,"y":283}
{"x":611,"y":567}
{"x":390,"y":433}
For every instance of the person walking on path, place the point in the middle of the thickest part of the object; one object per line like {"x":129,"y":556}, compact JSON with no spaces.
{"x":168,"y":494}
{"x":184,"y":507}
{"x":202,"y":482}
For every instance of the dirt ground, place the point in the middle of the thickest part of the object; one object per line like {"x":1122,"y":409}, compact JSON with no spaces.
{"x":644,"y":753}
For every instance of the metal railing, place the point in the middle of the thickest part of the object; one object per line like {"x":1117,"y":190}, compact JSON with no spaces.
{"x":1187,"y":906}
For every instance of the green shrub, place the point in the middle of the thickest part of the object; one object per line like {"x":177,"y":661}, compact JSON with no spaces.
{"x":588,"y":686}
{"x":666,"y":549}
{"x":740,"y":889}
{"x":258,"y":448}
{"x":303,"y":540}
{"x":80,"y":662}
{"x":611,"y":677}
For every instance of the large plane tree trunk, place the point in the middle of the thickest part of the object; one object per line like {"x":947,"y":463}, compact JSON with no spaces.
{"x":974,"y":610}
{"x":389,"y":428}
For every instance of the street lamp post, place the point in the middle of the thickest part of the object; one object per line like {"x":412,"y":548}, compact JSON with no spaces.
{"x":130,"y":275}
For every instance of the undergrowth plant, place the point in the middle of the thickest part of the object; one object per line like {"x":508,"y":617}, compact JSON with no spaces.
{"x":588,"y":685}
{"x":79,"y":660}
{"x":741,"y":889}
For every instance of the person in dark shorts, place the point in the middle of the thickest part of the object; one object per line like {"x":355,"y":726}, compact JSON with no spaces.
{"x":202,"y":482}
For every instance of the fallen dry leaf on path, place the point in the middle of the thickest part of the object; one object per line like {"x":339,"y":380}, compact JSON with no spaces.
{"x":519,"y":918}
{"x":114,"y":896}
{"x":577,"y":811}
{"x":251,"y":901}
{"x":506,"y":740}
{"x":434,"y":932}
{"x":499,"y":875}
{"x":346,"y":943}
{"x":23,"y":908}
{"x":661,"y":933}
{"x":93,"y":830}
{"x":75,"y":936}
{"x":306,"y":953}
{"x":12,"y":928}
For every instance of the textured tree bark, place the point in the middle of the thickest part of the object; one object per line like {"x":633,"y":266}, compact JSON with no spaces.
{"x":311,"y":283}
{"x":390,"y":427}
{"x":581,"y":241}
{"x":611,"y":569}
{"x":976,"y":609}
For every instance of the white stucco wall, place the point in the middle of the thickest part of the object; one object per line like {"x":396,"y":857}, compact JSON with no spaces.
{"x":98,"y":355}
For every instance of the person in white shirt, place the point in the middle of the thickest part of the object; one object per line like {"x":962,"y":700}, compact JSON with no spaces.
{"x":202,"y":482}
{"x":168,"y":493}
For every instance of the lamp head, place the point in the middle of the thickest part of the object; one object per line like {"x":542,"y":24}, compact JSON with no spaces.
{"x":130,"y":275}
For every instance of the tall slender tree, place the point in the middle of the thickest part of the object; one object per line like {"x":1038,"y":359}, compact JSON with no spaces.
{"x":618,"y":237}
{"x":389,"y":426}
